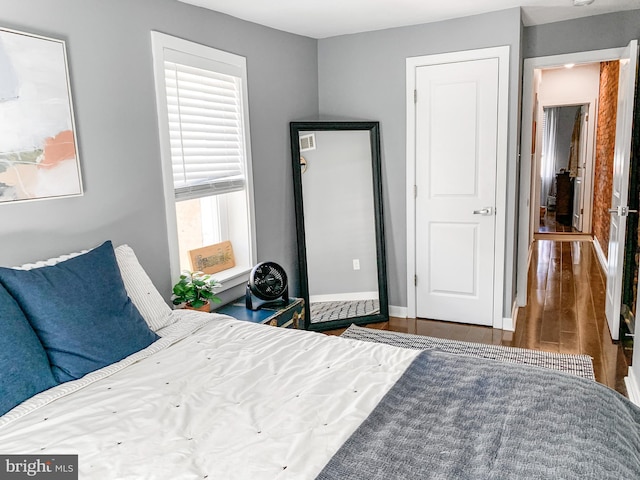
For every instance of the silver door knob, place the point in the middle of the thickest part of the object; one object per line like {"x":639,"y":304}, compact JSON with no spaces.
{"x":622,"y":211}
{"x":486,"y":211}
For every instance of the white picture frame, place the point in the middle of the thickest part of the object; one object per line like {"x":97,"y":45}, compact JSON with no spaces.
{"x":38,"y":142}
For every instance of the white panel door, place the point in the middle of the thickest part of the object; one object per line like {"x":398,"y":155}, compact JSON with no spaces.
{"x":620,"y":190}
{"x":456,"y":161}
{"x":578,"y":181}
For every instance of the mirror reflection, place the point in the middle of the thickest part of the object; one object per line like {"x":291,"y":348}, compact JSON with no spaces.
{"x":339,"y":226}
{"x":337,"y":198}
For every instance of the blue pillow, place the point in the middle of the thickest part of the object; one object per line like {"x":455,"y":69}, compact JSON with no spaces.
{"x":24,"y":366}
{"x":80,"y":310}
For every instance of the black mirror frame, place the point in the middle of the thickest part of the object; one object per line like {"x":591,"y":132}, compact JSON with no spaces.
{"x":374,"y":136}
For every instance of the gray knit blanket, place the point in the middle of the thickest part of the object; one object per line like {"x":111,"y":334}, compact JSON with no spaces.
{"x":454,"y":417}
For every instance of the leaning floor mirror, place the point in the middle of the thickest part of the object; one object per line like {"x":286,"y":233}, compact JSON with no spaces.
{"x":338,"y":200}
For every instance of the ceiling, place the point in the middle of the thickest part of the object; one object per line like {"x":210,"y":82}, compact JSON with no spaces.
{"x":328,"y":18}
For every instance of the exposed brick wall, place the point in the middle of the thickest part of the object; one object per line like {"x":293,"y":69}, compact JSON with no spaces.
{"x":605,"y":144}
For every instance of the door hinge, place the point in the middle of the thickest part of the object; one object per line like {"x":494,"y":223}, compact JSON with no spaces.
{"x":415,"y":96}
{"x":415,"y":280}
{"x":582,"y":211}
{"x":415,"y":191}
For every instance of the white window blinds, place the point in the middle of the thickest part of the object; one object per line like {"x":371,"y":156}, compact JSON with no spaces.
{"x":206,"y":130}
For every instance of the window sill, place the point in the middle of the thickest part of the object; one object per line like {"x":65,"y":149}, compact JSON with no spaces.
{"x":232,"y":277}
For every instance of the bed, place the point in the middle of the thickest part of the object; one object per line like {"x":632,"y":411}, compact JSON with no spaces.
{"x":214,"y":397}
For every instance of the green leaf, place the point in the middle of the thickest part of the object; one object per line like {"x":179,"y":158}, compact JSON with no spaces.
{"x":194,"y":288}
{"x":197,"y":303}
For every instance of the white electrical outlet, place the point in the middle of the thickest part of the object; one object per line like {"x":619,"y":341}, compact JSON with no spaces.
{"x":356,"y":264}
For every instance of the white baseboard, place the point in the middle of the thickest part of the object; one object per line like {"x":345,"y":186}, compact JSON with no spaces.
{"x":633,"y":387}
{"x":601,"y":256}
{"x":509,"y":323}
{"x":398,"y":312}
{"x":521,"y":296}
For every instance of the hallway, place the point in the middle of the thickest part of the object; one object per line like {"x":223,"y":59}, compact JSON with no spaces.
{"x":565,"y":311}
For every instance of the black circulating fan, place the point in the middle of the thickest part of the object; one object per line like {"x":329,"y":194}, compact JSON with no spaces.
{"x":267,"y":286}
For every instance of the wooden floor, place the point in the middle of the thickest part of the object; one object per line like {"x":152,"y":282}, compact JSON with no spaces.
{"x":549,"y":224}
{"x":565,"y":312}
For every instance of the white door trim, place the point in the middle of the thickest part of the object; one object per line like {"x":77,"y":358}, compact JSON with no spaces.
{"x":502,"y":54}
{"x":632,"y":380}
{"x":620,"y":186}
{"x":525,"y":206}
{"x":590,"y":155}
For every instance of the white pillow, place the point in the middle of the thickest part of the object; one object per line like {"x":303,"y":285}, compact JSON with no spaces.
{"x":137,"y":283}
{"x":50,"y":262}
{"x":141,"y":290}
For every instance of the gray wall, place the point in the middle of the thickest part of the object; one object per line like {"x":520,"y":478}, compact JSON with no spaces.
{"x":109,"y":53}
{"x":582,"y":35}
{"x":363,"y":76}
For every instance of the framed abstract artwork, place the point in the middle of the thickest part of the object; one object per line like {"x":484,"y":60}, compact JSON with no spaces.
{"x":38,"y":144}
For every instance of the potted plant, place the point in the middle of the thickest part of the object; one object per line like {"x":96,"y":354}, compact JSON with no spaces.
{"x":195,"y":291}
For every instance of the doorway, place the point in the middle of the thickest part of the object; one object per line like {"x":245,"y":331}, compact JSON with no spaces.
{"x":560,"y":91}
{"x":619,"y":95}
{"x":563,"y":153}
{"x":566,"y":160}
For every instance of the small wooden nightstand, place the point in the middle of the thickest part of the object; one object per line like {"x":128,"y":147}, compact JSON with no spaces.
{"x":286,"y":316}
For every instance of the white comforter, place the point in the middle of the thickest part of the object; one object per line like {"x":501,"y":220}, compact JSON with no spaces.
{"x":214,"y":398}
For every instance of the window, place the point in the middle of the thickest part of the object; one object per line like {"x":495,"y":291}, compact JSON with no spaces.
{"x":204,"y":133}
